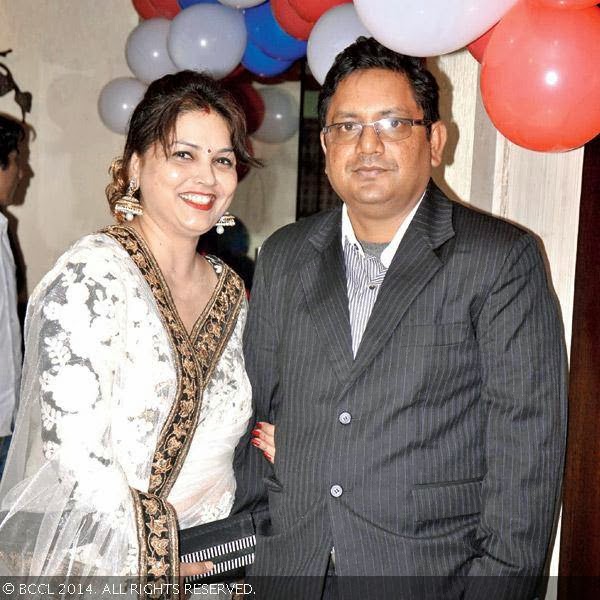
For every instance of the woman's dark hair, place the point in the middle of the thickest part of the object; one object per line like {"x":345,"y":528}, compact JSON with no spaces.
{"x":154,"y":119}
{"x":12,"y":133}
{"x":368,"y":53}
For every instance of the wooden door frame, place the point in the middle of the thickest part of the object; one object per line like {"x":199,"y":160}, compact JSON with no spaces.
{"x":579,"y":566}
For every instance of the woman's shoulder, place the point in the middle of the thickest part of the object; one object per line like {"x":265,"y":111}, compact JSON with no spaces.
{"x":98,"y":245}
{"x":95,"y":256}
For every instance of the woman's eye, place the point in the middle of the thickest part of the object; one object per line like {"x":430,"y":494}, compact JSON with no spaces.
{"x":223,"y":160}
{"x":182,"y":154}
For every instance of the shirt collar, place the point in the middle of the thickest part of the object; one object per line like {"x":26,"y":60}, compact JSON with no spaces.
{"x":390,"y":250}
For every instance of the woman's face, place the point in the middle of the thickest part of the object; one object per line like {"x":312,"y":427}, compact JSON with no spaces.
{"x":187,"y":191}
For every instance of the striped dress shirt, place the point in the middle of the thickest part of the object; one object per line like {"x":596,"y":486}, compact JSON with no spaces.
{"x":365,"y":274}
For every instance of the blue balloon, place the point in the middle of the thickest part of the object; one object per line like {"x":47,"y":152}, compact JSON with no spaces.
{"x":185,"y":3}
{"x":259,"y":63}
{"x":266,"y":33}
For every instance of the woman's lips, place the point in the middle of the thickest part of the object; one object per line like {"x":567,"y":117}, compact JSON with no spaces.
{"x":198,"y":201}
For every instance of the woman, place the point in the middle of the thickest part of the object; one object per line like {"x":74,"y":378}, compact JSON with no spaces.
{"x":133,"y":353}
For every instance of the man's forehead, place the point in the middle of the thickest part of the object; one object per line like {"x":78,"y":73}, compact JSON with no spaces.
{"x":372,"y":111}
{"x":380,"y":92}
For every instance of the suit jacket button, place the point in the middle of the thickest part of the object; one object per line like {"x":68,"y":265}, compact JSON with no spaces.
{"x":336,"y":491}
{"x":345,"y":418}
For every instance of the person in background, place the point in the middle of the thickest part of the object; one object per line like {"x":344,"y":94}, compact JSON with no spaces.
{"x":134,"y":390}
{"x":409,"y":351}
{"x":12,"y":136}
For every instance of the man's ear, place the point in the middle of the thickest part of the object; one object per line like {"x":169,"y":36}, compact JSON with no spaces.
{"x":437,"y":142}
{"x":323,"y":145}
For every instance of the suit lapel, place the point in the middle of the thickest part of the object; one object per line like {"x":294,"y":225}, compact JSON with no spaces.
{"x":324,"y":283}
{"x":413,"y":266}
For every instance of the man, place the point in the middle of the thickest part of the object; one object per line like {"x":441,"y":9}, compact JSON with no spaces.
{"x":12,"y":134}
{"x":408,"y":350}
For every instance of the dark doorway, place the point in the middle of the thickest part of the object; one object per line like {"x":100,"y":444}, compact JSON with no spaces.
{"x":314,"y":192}
{"x":580,"y":539}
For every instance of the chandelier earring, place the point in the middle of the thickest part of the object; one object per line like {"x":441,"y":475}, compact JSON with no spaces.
{"x":226,"y":220}
{"x":128,"y":205}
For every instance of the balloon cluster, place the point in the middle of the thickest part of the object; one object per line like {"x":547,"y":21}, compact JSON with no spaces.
{"x":539,"y":81}
{"x":238,"y":41}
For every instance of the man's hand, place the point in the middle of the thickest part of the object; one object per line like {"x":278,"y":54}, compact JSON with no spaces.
{"x":264,"y":439}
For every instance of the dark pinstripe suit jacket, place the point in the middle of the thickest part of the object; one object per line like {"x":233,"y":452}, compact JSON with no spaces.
{"x":451,"y":462}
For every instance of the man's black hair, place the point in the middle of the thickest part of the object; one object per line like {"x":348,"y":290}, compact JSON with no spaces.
{"x":368,"y":53}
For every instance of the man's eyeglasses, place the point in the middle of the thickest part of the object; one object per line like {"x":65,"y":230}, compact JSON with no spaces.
{"x":390,"y":129}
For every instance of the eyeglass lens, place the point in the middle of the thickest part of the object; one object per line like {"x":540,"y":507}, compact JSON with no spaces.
{"x":388,"y":129}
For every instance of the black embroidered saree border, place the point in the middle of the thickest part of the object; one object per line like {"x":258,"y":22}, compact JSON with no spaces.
{"x":195,"y":358}
{"x":158,"y":543}
{"x":212,"y":331}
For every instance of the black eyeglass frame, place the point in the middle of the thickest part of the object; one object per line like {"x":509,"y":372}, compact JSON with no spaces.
{"x":405,"y":121}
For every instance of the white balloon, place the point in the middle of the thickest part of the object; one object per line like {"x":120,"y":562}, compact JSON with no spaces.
{"x":146,"y":50}
{"x":430,"y":27}
{"x":241,"y":3}
{"x":335,"y":30}
{"x":282,"y":114}
{"x":117,"y":101}
{"x":208,"y":37}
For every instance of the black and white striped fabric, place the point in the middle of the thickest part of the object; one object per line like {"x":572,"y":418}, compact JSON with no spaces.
{"x":365,"y":271}
{"x":364,"y":276}
{"x":229,"y":543}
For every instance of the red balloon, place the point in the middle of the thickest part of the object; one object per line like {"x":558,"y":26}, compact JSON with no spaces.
{"x":311,"y":10}
{"x":477,"y":48}
{"x":290,"y":20}
{"x":150,"y":9}
{"x":143,"y":8}
{"x":237,"y":73}
{"x":565,"y":3}
{"x":251,"y":102}
{"x":540,"y":81}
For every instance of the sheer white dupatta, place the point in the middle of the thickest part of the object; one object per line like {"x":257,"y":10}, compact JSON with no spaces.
{"x":111,"y":398}
{"x":65,"y":500}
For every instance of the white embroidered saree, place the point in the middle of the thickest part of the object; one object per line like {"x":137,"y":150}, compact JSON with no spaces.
{"x":127,"y":423}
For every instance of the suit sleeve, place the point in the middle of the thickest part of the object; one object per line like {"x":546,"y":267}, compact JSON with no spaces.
{"x":260,"y":354}
{"x":524,"y":387}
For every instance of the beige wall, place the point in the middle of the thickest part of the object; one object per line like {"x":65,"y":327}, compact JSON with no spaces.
{"x":65,"y":51}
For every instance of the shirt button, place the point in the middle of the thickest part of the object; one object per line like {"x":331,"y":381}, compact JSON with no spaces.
{"x":336,"y":491}
{"x":345,"y":418}
{"x":372,"y":287}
